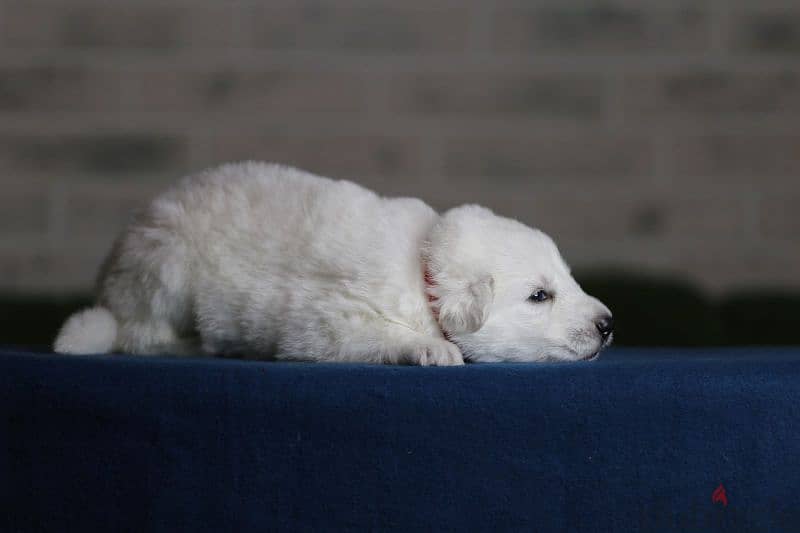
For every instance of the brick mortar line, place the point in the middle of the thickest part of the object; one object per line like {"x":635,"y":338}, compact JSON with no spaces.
{"x":662,"y":147}
{"x":578,"y":187}
{"x":614,"y":98}
{"x":400,"y":125}
{"x":429,"y":5}
{"x":725,"y":64}
{"x":188,"y":59}
{"x":656,"y":6}
{"x":720,"y":30}
{"x":481,"y":28}
{"x":553,"y":182}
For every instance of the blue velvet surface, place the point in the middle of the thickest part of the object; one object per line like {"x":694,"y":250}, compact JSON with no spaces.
{"x":636,"y":441}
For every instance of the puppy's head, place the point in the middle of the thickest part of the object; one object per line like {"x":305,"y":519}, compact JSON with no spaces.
{"x":503,"y":292}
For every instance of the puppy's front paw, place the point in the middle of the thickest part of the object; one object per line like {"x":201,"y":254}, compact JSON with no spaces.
{"x":436,"y":352}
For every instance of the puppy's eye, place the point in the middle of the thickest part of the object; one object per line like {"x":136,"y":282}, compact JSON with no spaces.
{"x":539,"y":296}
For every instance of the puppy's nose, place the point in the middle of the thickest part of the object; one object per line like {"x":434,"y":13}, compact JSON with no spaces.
{"x":605,"y":325}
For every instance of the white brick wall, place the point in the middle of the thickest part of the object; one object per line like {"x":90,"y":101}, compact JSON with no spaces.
{"x":641,"y":134}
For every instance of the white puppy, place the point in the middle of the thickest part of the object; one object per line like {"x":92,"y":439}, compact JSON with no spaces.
{"x":265,"y":261}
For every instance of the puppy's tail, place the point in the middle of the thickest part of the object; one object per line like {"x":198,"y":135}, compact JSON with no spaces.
{"x":90,"y":331}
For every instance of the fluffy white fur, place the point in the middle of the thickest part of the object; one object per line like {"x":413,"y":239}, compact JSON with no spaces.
{"x":89,"y":331}
{"x":265,"y":261}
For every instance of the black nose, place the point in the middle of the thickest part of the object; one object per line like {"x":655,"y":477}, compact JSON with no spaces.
{"x":605,"y":325}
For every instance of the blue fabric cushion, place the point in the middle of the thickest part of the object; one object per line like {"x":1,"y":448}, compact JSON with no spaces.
{"x":637,"y":441}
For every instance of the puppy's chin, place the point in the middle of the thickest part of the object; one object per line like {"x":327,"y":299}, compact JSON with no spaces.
{"x":567,"y":354}
{"x":594,"y":352}
{"x":561,"y":354}
{"x":546,"y":351}
{"x":591,"y":356}
{"x":575,"y":357}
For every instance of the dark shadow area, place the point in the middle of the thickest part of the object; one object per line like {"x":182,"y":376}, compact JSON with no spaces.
{"x":656,"y":311}
{"x":34,"y":320}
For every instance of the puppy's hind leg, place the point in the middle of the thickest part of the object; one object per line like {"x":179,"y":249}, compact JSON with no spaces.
{"x":145,"y":285}
{"x":155,"y":338}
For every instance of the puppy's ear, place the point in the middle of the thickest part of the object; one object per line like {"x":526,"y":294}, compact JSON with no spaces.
{"x":465,"y":307}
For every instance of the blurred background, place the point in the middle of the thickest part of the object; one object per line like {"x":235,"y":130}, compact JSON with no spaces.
{"x":657,"y":142}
